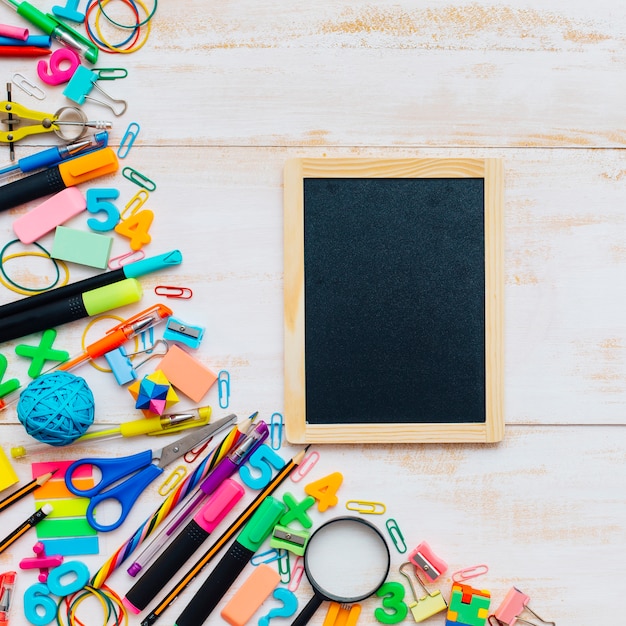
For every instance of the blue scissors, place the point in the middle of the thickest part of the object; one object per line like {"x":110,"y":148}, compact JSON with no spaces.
{"x":128,"y":491}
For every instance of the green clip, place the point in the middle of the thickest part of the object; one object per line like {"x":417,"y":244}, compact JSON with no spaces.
{"x":138,"y":178}
{"x":285,"y":538}
{"x":261,"y":524}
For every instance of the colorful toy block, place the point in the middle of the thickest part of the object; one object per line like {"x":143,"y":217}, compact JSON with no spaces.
{"x":468,"y":606}
{"x":153,"y":394}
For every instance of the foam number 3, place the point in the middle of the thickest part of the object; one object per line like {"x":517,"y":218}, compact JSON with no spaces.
{"x":392,"y":594}
{"x":136,"y":228}
{"x":263,"y":459}
{"x":98,"y":202}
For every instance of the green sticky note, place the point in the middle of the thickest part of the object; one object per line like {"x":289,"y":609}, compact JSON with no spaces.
{"x":69,"y":527}
{"x":72,"y":507}
{"x":81,"y":246}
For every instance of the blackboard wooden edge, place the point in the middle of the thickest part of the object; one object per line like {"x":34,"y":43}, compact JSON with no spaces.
{"x":297,"y":430}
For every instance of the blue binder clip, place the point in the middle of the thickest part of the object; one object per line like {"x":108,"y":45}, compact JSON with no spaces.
{"x":123,"y":368}
{"x":177,"y":330}
{"x":83,"y":81}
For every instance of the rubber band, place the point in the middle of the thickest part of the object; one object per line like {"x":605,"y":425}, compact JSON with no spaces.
{"x":132,"y":48}
{"x":111,"y":604}
{"x":27,"y":291}
{"x":106,"y":47}
{"x":149,"y":16}
{"x":83,"y":339}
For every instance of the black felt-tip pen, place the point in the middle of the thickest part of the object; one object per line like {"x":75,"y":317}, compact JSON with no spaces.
{"x":255,"y":532}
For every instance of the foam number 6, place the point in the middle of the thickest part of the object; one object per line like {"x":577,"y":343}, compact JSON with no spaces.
{"x":263,"y":459}
{"x":35,"y":597}
{"x":98,"y":202}
{"x":392,"y":594}
{"x":53,"y":74}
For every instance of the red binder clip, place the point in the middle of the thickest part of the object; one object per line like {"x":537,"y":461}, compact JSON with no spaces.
{"x":513,"y":605}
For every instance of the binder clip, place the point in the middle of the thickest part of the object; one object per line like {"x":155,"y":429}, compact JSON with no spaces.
{"x":123,"y":368}
{"x":512,"y":607}
{"x":286,"y":538}
{"x":426,"y":606}
{"x":84,"y":80}
{"x":427,"y":562}
{"x":177,"y":330}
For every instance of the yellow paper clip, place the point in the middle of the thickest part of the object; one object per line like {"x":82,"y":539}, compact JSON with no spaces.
{"x":305,"y":467}
{"x":173,"y":480}
{"x":276,"y":431}
{"x":365,"y":507}
{"x":135,"y":203}
{"x":396,"y":535}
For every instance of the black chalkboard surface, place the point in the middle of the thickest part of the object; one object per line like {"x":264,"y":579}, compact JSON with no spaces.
{"x":393,"y":300}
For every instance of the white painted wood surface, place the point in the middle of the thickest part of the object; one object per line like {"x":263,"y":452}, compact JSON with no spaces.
{"x":225,"y":92}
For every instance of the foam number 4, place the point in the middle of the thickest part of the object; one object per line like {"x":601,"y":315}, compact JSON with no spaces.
{"x":262,"y":459}
{"x":98,"y":202}
{"x":325,"y":490}
{"x":392,"y":594}
{"x":136,"y":228}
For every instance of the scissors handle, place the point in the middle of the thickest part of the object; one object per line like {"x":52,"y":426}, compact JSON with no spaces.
{"x":111,"y":470}
{"x":126,"y":494}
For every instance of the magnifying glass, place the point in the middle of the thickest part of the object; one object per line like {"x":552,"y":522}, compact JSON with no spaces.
{"x":346,"y":560}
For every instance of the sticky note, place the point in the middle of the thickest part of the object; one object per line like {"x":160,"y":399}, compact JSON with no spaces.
{"x":251,"y":595}
{"x":64,"y":527}
{"x":72,"y":547}
{"x":49,"y":214}
{"x":81,"y":246}
{"x":8,"y":476}
{"x":70,"y":507}
{"x":186,"y":373}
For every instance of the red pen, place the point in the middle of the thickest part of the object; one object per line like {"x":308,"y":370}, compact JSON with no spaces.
{"x":23,"y":51}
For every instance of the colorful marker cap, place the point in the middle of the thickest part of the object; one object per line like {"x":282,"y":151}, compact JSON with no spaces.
{"x":112,"y":296}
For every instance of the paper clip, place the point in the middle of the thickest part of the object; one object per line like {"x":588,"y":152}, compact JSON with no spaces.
{"x":365,"y":507}
{"x":19,"y":80}
{"x":192,"y":455}
{"x":396,"y":535}
{"x":116,"y":262}
{"x":284,"y":566}
{"x":513,"y":605}
{"x":296,"y":574}
{"x":128,"y":140}
{"x":173,"y":480}
{"x":135,"y":203}
{"x":276,"y":431}
{"x":184,"y":293}
{"x":306,"y":466}
{"x":110,"y":73}
{"x":265,"y":557}
{"x":223,"y":388}
{"x":138,"y":178}
{"x":469,"y":572}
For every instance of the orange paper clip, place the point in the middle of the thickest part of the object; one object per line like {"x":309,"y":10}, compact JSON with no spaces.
{"x":173,"y":292}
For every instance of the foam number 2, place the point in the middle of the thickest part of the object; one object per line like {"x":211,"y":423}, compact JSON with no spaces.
{"x":392,"y":594}
{"x":98,"y":202}
{"x":263,"y":459}
{"x":136,"y":228}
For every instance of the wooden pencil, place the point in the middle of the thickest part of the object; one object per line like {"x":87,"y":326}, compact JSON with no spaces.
{"x":26,"y":489}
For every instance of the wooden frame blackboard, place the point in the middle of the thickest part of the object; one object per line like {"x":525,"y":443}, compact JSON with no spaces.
{"x":393,"y":300}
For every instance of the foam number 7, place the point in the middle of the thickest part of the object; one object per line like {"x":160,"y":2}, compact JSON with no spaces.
{"x":98,"y":202}
{"x":263,"y":459}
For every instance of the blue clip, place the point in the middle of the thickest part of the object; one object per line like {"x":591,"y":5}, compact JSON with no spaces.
{"x":223,"y":388}
{"x":120,"y":365}
{"x":177,"y":330}
{"x":80,"y":85}
{"x":276,"y":431}
{"x":128,"y":140}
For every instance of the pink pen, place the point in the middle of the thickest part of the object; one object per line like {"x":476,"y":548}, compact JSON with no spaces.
{"x":183,"y":546}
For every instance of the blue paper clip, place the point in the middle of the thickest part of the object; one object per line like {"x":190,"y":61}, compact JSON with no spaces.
{"x":128,"y":140}
{"x":276,"y":431}
{"x":223,"y":388}
{"x":265,"y":557}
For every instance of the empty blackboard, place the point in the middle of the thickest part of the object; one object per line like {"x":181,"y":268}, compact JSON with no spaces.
{"x":393,"y":300}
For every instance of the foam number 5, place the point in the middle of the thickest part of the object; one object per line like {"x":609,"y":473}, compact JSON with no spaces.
{"x":392,"y":594}
{"x":263,"y":459}
{"x":98,"y":202}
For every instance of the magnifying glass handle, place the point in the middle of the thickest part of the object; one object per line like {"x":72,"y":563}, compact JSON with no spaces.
{"x":308,"y":611}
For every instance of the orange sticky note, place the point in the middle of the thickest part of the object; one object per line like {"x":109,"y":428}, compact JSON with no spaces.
{"x":186,"y":373}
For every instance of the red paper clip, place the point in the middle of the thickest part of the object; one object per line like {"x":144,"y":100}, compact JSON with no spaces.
{"x":173,"y":292}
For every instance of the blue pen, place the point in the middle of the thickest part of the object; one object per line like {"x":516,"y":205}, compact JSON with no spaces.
{"x":52,"y":156}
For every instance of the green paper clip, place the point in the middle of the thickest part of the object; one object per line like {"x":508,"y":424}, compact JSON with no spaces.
{"x":285,"y":538}
{"x":138,"y":178}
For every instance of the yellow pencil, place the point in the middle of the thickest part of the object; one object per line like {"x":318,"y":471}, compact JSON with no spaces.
{"x":26,"y":489}
{"x":23,"y":528}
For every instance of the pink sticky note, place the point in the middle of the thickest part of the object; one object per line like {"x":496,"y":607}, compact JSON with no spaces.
{"x":49,"y":214}
{"x":84,"y":471}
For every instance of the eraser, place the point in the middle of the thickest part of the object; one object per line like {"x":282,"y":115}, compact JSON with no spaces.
{"x":82,"y":247}
{"x":251,"y":595}
{"x":49,"y":214}
{"x":186,"y":373}
{"x":8,"y":477}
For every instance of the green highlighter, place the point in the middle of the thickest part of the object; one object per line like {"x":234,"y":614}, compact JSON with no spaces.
{"x":254,"y":533}
{"x":72,"y":308}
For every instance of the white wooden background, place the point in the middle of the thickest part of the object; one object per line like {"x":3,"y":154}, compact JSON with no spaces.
{"x":226,"y":91}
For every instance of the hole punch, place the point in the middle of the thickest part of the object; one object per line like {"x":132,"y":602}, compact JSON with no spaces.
{"x":28,"y":87}
{"x":138,"y":178}
{"x":128,"y":140}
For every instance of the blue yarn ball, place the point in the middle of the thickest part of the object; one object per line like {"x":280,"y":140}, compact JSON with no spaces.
{"x":56,"y":408}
